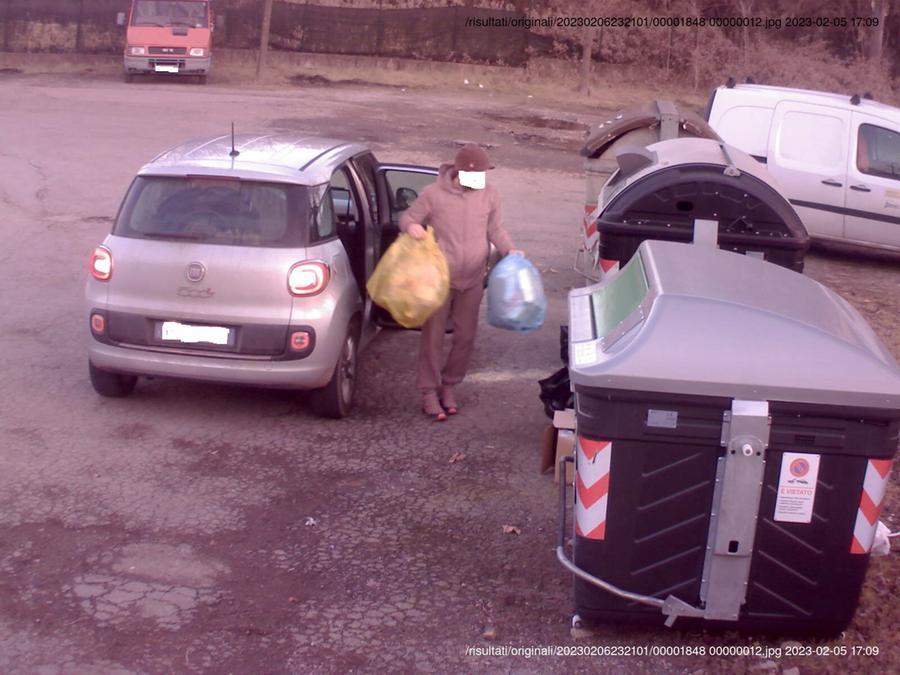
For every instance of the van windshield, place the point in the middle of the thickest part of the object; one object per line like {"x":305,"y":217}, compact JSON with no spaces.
{"x":165,"y":13}
{"x":216,"y":210}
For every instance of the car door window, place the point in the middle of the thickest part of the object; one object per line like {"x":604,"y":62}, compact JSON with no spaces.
{"x":404,"y":187}
{"x":342,"y":197}
{"x":325,"y":223}
{"x":878,"y":151}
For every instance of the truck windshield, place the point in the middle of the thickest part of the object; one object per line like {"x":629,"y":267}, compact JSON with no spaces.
{"x":215,"y":210}
{"x":170,"y":13}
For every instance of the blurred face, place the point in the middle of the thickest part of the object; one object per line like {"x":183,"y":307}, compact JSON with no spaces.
{"x":475,"y":180}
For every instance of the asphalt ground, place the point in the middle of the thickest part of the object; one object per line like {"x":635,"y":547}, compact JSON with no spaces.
{"x":202,"y":528}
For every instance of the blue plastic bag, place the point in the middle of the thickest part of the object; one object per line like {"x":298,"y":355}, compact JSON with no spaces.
{"x":515,"y":295}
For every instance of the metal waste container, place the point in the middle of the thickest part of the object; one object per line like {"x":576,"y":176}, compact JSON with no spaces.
{"x":660,"y":191}
{"x":637,"y":125}
{"x":736,"y":424}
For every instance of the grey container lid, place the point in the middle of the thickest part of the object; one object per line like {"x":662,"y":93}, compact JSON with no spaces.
{"x":688,"y":319}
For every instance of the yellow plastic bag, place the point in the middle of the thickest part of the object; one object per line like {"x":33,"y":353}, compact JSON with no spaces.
{"x":411,"y":280}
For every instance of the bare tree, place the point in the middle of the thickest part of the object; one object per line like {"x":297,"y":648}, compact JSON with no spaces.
{"x":746,"y":7}
{"x":587,"y":47}
{"x":264,"y":37}
{"x":875,"y":43}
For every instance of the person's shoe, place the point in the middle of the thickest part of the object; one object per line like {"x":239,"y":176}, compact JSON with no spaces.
{"x":431,"y":406}
{"x":448,"y":400}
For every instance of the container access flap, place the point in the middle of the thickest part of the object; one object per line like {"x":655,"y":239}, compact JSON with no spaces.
{"x":646,"y":115}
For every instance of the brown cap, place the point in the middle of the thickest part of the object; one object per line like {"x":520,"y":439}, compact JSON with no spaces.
{"x":472,"y":157}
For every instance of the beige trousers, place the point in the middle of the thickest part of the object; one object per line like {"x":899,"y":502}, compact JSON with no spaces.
{"x":462,"y":307}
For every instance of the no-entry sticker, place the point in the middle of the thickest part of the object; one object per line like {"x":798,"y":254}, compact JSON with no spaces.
{"x":797,"y":487}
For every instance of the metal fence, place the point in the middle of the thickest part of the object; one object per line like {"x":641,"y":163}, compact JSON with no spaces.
{"x":435,"y":33}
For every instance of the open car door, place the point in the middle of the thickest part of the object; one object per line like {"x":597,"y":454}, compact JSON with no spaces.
{"x":399,"y":185}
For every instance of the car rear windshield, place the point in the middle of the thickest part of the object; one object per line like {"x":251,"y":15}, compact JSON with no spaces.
{"x":214,"y":210}
{"x":163,"y":13}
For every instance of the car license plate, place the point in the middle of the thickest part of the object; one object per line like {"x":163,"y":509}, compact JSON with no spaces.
{"x":182,"y":332}
{"x":166,"y":69}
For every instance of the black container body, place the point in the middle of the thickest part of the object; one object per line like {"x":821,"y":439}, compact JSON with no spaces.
{"x":753,"y":218}
{"x":803,"y":577}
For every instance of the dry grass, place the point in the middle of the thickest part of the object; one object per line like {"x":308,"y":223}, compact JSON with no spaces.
{"x":552,"y":81}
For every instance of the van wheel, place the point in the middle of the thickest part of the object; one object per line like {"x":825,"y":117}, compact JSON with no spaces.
{"x":128,"y":77}
{"x":201,"y":79}
{"x":336,"y":398}
{"x":111,"y":385}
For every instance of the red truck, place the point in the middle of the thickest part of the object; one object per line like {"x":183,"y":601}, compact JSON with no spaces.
{"x":168,"y":37}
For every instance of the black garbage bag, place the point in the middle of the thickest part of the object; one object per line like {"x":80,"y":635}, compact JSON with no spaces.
{"x":564,"y":344}
{"x":555,"y":392}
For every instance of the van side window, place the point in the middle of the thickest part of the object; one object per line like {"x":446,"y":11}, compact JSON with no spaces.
{"x":813,"y":140}
{"x":878,"y":151}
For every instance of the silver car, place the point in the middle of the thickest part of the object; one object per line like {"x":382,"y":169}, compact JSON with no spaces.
{"x":244,"y":260}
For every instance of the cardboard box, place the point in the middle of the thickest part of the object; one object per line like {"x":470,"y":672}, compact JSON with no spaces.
{"x":565,"y":447}
{"x":548,"y":448}
{"x":558,"y":441}
{"x":564,"y":419}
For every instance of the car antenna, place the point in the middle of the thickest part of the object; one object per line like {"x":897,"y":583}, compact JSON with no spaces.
{"x":234,"y":152}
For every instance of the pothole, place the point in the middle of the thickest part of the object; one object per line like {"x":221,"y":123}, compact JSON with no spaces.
{"x":147,"y":582}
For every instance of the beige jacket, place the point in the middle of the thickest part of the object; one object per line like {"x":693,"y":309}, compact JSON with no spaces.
{"x":464,"y":221}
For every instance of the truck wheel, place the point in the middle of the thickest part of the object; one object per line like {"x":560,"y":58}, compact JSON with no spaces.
{"x":111,"y":385}
{"x":336,"y":398}
{"x":128,"y":77}
{"x":201,"y":79}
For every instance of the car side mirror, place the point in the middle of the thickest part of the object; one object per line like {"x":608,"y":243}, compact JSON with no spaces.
{"x":404,"y":198}
{"x":120,"y":19}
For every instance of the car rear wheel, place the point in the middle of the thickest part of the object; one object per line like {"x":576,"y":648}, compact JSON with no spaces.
{"x":336,"y":398}
{"x":111,"y":385}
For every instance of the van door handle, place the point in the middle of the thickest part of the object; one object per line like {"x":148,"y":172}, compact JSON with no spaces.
{"x":832,"y":182}
{"x":860,"y":188}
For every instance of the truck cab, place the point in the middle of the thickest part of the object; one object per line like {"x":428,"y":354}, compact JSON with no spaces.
{"x":168,"y":37}
{"x":836,"y":157}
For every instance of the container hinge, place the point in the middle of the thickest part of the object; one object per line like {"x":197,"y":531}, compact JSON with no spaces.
{"x":668,"y":120}
{"x":730,"y":168}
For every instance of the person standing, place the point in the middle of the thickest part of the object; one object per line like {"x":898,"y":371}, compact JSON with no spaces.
{"x":464,"y":211}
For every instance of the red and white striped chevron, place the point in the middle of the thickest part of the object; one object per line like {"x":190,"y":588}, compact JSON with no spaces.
{"x":592,"y":459}
{"x":589,"y":222}
{"x":874,"y":487}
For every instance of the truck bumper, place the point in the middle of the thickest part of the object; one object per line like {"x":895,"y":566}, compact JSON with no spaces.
{"x":167,"y":65}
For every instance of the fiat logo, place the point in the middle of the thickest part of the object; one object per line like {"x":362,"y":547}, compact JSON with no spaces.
{"x":196,"y":271}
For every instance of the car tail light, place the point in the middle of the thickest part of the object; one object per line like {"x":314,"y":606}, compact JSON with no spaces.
{"x":101,"y":263}
{"x":98,"y":324}
{"x":308,"y":278}
{"x":300,"y":340}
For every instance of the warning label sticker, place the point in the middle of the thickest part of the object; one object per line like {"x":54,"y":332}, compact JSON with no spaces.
{"x":797,"y":487}
{"x":584,"y":353}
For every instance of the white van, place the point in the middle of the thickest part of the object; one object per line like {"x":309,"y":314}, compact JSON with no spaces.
{"x":837,"y":158}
